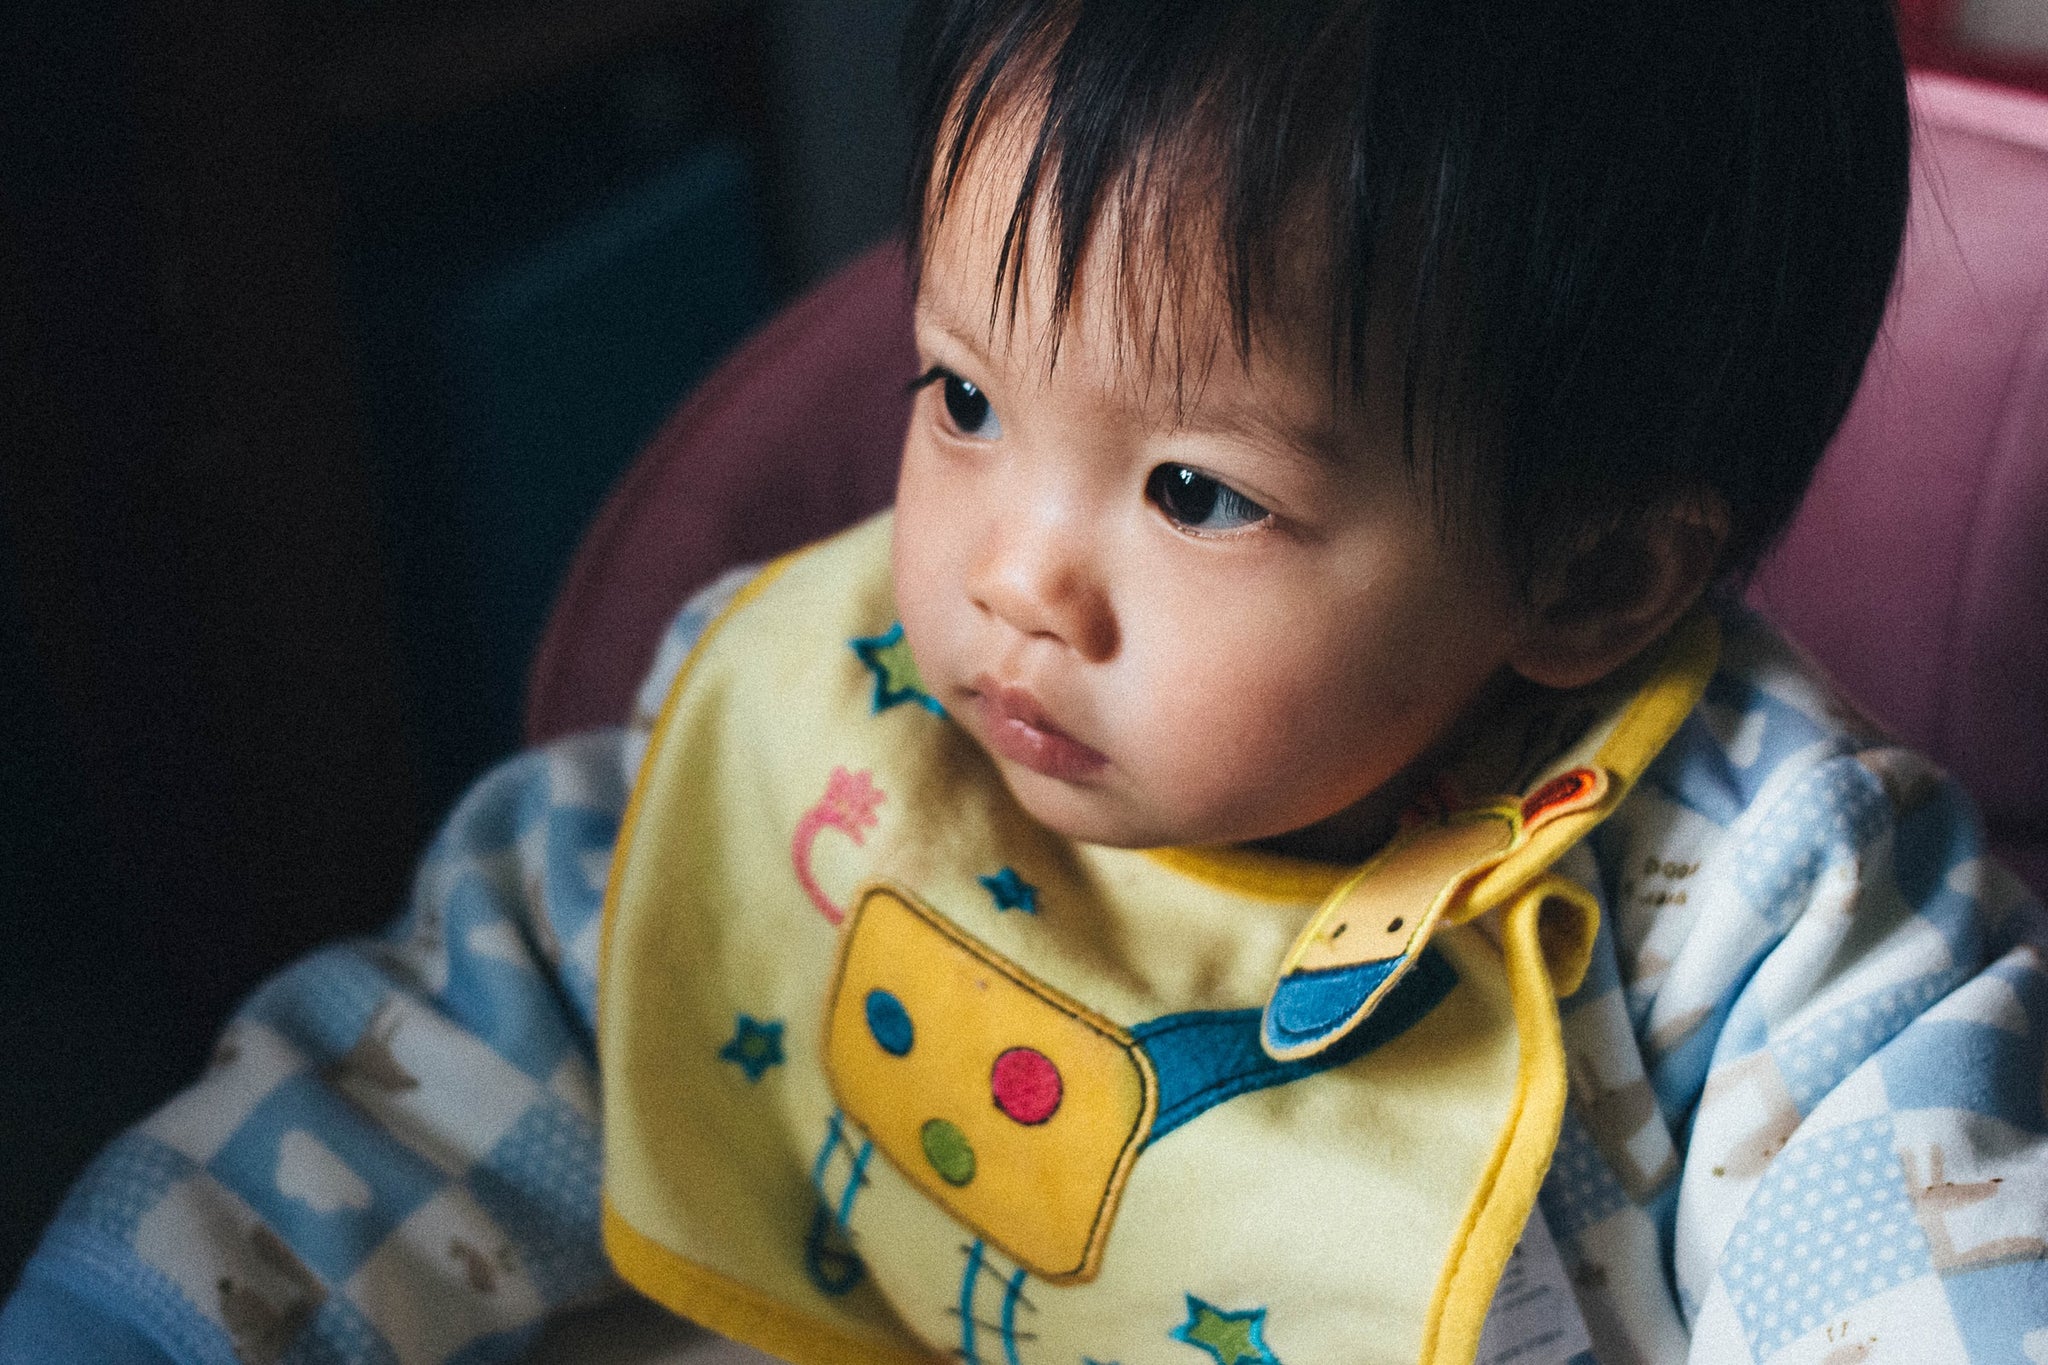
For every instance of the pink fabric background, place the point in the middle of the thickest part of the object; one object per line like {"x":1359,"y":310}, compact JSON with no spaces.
{"x":1917,"y":571}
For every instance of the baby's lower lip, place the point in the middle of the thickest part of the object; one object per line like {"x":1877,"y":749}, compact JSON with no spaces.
{"x":1019,"y":730}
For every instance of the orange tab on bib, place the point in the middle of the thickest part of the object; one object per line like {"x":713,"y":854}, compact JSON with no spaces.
{"x":1569,"y":793}
{"x":1016,"y":1109}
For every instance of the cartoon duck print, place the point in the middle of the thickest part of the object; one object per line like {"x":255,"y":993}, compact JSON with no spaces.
{"x":370,"y":1062}
{"x":1372,"y":929}
{"x":267,"y":1297}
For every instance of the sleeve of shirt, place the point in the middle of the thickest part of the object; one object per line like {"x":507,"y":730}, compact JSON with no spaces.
{"x":1807,"y":1073}
{"x":1867,"y":1172}
{"x":393,"y":1154}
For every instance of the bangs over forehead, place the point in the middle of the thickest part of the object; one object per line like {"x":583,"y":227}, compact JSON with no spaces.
{"x":1205,"y":156}
{"x":1606,"y":255}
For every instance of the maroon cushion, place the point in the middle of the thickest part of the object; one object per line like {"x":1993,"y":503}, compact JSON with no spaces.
{"x":794,"y":436}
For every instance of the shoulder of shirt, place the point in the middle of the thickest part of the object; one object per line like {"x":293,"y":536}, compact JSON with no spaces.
{"x":684,"y":630}
{"x":1767,"y":729}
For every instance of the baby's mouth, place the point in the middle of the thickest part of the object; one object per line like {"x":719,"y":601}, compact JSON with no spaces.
{"x":1018,"y":728}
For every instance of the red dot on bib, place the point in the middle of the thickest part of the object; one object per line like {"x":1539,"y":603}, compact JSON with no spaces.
{"x":1026,"y":1085}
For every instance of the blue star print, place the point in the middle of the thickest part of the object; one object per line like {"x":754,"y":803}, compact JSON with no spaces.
{"x":896,"y":676}
{"x":1231,"y":1338}
{"x":756,"y":1045}
{"x":1011,"y":892}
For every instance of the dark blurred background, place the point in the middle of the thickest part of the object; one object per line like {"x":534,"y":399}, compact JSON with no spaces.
{"x":324,"y":327}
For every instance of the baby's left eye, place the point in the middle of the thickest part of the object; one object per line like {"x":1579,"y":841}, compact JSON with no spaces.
{"x":967,"y":407}
{"x":1200,"y":503}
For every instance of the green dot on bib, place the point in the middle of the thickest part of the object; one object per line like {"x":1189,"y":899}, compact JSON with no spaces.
{"x":948,"y":1150}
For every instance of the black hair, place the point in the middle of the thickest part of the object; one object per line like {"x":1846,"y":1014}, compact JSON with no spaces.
{"x":1622,"y":250}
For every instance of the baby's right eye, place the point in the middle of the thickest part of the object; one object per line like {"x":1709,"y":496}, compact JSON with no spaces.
{"x":1196,"y":502}
{"x":966,"y":404}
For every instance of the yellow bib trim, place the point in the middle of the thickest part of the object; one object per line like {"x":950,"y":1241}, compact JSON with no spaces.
{"x":737,"y":1310}
{"x":1487,"y":1237}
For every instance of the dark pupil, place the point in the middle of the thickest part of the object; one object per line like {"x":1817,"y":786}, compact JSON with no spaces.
{"x":1186,"y":495}
{"x":965,"y":404}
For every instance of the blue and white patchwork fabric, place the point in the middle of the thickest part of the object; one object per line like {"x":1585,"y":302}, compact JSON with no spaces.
{"x":1807,"y":1118}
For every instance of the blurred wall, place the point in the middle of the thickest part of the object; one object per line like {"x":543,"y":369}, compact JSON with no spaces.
{"x":212,"y":745}
{"x":834,"y":70}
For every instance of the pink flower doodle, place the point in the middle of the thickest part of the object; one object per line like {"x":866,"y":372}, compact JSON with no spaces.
{"x":849,"y":806}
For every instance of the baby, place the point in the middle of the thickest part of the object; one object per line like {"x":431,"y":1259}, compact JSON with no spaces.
{"x":1282,"y":791}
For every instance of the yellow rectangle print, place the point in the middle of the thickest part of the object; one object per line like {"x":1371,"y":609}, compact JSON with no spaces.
{"x":1017,"y":1110}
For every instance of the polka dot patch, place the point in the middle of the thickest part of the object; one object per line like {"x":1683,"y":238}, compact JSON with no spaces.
{"x":1821,"y":1055}
{"x":1826,"y":816}
{"x":1829,"y":1226}
{"x":1580,"y":1189}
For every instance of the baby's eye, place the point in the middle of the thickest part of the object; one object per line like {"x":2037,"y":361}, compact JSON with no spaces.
{"x":1199,"y":502}
{"x":966,"y":404}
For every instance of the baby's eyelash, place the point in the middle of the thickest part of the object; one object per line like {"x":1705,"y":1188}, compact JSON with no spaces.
{"x":932,"y":376}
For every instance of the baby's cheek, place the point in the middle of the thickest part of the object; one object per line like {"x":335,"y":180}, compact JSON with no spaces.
{"x":918,"y":559}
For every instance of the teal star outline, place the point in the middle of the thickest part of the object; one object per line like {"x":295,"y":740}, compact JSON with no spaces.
{"x":894,"y":683}
{"x":756,"y":1045}
{"x":1010,"y":891}
{"x":1202,"y":1314}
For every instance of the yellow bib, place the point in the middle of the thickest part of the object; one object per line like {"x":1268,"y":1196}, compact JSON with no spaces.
{"x":891,"y":1073}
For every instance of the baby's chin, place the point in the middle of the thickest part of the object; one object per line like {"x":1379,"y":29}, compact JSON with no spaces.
{"x":1093,"y":813}
{"x":1107,"y":814}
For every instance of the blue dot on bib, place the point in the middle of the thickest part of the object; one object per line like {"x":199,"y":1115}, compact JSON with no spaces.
{"x":890,"y":1023}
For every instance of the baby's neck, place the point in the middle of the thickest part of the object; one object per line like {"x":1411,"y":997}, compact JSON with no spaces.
{"x":1486,"y":753}
{"x":1353,"y":834}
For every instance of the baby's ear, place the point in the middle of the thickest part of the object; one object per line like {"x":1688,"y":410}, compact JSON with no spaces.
{"x":1619,"y":590}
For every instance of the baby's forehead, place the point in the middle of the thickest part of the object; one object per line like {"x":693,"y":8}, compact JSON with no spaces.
{"x":1152,"y":255}
{"x":1151,"y":303}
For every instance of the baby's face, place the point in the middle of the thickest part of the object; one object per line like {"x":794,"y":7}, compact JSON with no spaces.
{"x":1197,"y":622}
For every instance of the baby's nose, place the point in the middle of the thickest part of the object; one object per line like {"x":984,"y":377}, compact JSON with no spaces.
{"x":1039,"y":578}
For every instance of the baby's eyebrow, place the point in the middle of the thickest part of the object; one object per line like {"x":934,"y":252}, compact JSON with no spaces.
{"x":1319,"y":439}
{"x":925,"y":315}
